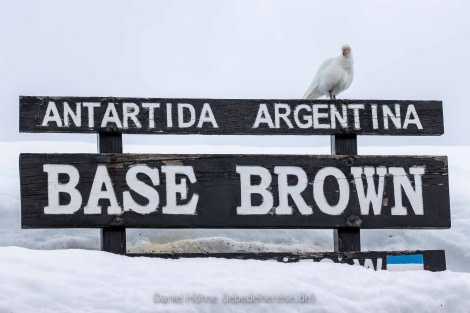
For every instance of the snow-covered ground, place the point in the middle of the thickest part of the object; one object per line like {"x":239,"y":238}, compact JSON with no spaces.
{"x":71,"y":278}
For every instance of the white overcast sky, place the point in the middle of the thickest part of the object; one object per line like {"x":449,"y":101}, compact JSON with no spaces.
{"x":416,"y":50}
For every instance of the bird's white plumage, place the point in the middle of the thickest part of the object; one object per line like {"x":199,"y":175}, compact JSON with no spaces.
{"x":333,"y":77}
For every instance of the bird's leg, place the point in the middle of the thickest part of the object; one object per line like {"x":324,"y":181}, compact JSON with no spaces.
{"x":332,"y":96}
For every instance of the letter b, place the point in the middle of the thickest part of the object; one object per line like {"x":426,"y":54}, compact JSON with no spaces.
{"x":247,"y":189}
{"x":54,"y":188}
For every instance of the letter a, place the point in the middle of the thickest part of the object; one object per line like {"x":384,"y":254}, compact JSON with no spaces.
{"x":97,"y":193}
{"x":55,"y":117}
{"x":263,"y":117}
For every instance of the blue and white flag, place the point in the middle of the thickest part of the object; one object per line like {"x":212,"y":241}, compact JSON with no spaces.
{"x":406,"y":262}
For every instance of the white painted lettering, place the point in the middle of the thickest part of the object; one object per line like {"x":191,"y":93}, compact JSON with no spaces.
{"x":356,"y":108}
{"x":55,"y":187}
{"x":379,"y":264}
{"x":319,"y":115}
{"x":130,"y":111}
{"x":169,"y":117}
{"x":371,"y":196}
{"x":207,"y":116}
{"x":111,"y":116}
{"x":247,"y":189}
{"x":173,"y":188}
{"x":307,"y":121}
{"x":181,"y":115}
{"x":319,"y":195}
{"x":91,"y":112}
{"x":51,"y":115}
{"x":284,"y":116}
{"x":375,"y":118}
{"x":342,"y":119}
{"x":412,"y":117}
{"x":394,"y":117}
{"x":263,"y":116}
{"x":151,"y":108}
{"x":415,"y":195}
{"x":102,"y":178}
{"x":368,"y":263}
{"x":69,"y":113}
{"x":142,"y":189}
{"x":294,"y":191}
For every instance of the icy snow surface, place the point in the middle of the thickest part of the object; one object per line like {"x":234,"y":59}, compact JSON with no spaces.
{"x":71,"y":278}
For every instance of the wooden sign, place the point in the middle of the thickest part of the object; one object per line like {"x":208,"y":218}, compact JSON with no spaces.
{"x":230,"y":117}
{"x":430,"y":260}
{"x":233,"y":191}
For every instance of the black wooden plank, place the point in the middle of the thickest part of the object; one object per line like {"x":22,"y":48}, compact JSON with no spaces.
{"x":433,"y":260}
{"x":346,"y":239}
{"x":231,"y":116}
{"x":216,"y":191}
{"x":345,"y":144}
{"x":109,"y":142}
{"x":113,"y":239}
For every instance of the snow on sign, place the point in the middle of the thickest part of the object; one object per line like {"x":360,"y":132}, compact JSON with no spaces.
{"x":344,"y":191}
{"x":229,"y":116}
{"x":233,"y":191}
{"x":431,"y":260}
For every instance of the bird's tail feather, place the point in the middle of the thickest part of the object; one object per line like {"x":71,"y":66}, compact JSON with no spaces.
{"x":312,"y":93}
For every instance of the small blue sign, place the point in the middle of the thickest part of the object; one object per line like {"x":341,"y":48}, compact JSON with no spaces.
{"x":405,"y":262}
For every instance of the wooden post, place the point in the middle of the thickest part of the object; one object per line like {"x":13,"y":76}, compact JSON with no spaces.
{"x":345,"y":239}
{"x":113,"y":239}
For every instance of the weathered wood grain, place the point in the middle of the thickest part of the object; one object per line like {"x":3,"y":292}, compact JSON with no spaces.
{"x":113,"y":239}
{"x":433,"y":260}
{"x":231,"y":116}
{"x":345,"y":238}
{"x":218,"y":187}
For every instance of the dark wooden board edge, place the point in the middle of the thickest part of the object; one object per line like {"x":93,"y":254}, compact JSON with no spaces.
{"x":434,"y":260}
{"x":235,"y":113}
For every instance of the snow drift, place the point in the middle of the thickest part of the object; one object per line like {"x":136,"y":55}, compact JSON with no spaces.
{"x":71,"y":278}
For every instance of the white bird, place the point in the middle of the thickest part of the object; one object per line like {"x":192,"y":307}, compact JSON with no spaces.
{"x":335,"y":75}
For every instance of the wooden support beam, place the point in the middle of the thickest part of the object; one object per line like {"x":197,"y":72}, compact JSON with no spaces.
{"x":113,"y":239}
{"x":345,"y":239}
